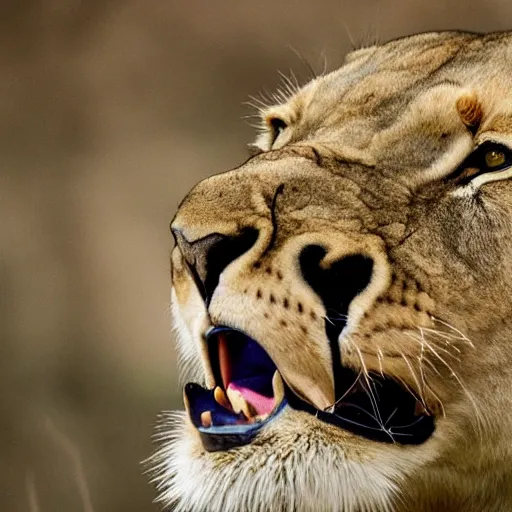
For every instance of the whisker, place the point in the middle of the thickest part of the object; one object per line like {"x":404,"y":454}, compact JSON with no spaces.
{"x":391,"y":416}
{"x":380,"y":357}
{"x":408,"y":388}
{"x":366,"y":427}
{"x":429,"y":345}
{"x":480,"y":419}
{"x":347,"y":392}
{"x":324,"y":69}
{"x":432,"y":366}
{"x":331,"y":318}
{"x":362,"y":425}
{"x":369,"y":389}
{"x":359,"y":408}
{"x":305,"y":62}
{"x":259,"y":103}
{"x":407,"y":426}
{"x":420,"y":363}
{"x":439,"y":401}
{"x":446,"y":338}
{"x":425,"y":360}
{"x":291,"y":86}
{"x":421,"y":360}
{"x":453,"y":328}
{"x":251,"y":116}
{"x":343,"y":316}
{"x":413,"y":373}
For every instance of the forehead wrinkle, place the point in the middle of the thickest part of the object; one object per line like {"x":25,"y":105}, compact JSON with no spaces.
{"x":371,"y":89}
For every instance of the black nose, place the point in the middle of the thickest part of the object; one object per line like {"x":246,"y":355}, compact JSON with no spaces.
{"x":337,"y":285}
{"x":210,"y":255}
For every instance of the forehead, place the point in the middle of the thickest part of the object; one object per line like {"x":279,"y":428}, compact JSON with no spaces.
{"x":414,"y":82}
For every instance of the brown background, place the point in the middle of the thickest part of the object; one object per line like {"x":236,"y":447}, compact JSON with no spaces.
{"x":109,"y":112}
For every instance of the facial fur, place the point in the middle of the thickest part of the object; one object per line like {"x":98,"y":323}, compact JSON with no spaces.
{"x":374,"y":160}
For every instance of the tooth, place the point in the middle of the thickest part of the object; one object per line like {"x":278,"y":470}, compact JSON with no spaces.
{"x":278,"y":388}
{"x":257,"y":419}
{"x":419,"y":409}
{"x":206,"y":419}
{"x":220,"y":397}
{"x":186,"y":402}
{"x":239,"y":403}
{"x":224,"y":360}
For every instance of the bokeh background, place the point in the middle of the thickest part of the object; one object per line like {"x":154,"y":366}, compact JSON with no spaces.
{"x":109,"y":112}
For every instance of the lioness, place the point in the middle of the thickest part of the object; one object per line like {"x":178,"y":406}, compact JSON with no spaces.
{"x":344,"y":298}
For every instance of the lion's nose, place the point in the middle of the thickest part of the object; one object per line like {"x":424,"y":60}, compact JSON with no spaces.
{"x":336,"y":283}
{"x":210,"y":255}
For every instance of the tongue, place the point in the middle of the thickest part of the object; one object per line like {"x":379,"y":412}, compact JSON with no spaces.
{"x":261,"y":404}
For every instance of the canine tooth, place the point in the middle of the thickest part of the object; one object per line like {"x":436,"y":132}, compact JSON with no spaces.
{"x":220,"y":397}
{"x":258,"y":419}
{"x":186,"y":402}
{"x":277,"y":388}
{"x":261,"y":417}
{"x":206,"y":419}
{"x":239,"y":403}
{"x":225,"y":367}
{"x":419,"y":409}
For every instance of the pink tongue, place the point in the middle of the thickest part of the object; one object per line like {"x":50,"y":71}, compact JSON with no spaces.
{"x":262,"y":404}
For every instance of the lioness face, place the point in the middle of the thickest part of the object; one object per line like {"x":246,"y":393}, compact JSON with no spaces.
{"x":343,"y":299}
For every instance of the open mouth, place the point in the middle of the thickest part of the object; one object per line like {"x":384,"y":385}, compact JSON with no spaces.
{"x":250,"y":392}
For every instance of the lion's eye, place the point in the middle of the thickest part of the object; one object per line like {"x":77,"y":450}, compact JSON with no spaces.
{"x":277,"y":126}
{"x":487,"y":158}
{"x":495,"y":158}
{"x":491,"y":156}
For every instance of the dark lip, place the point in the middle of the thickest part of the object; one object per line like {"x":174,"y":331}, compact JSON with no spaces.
{"x":414,"y":433}
{"x":224,"y":437}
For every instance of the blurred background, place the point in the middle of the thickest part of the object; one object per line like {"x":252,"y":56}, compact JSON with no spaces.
{"x":109,"y":112}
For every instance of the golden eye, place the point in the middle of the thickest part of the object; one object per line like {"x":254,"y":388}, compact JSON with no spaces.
{"x":489,"y":157}
{"x":495,"y":158}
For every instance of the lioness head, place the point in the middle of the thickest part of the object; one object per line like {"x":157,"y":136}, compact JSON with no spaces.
{"x":343,"y":299}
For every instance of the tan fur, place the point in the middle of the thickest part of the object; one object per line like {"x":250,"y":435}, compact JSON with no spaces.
{"x":470,"y":111}
{"x":365,"y":167}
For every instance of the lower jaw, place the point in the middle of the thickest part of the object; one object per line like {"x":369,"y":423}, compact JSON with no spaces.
{"x":225,"y":437}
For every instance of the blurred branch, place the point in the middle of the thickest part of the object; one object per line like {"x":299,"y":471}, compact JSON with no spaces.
{"x":74,"y":454}
{"x":33,"y":502}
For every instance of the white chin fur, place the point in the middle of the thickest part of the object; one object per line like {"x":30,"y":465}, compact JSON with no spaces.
{"x":312,"y":478}
{"x":189,"y":362}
